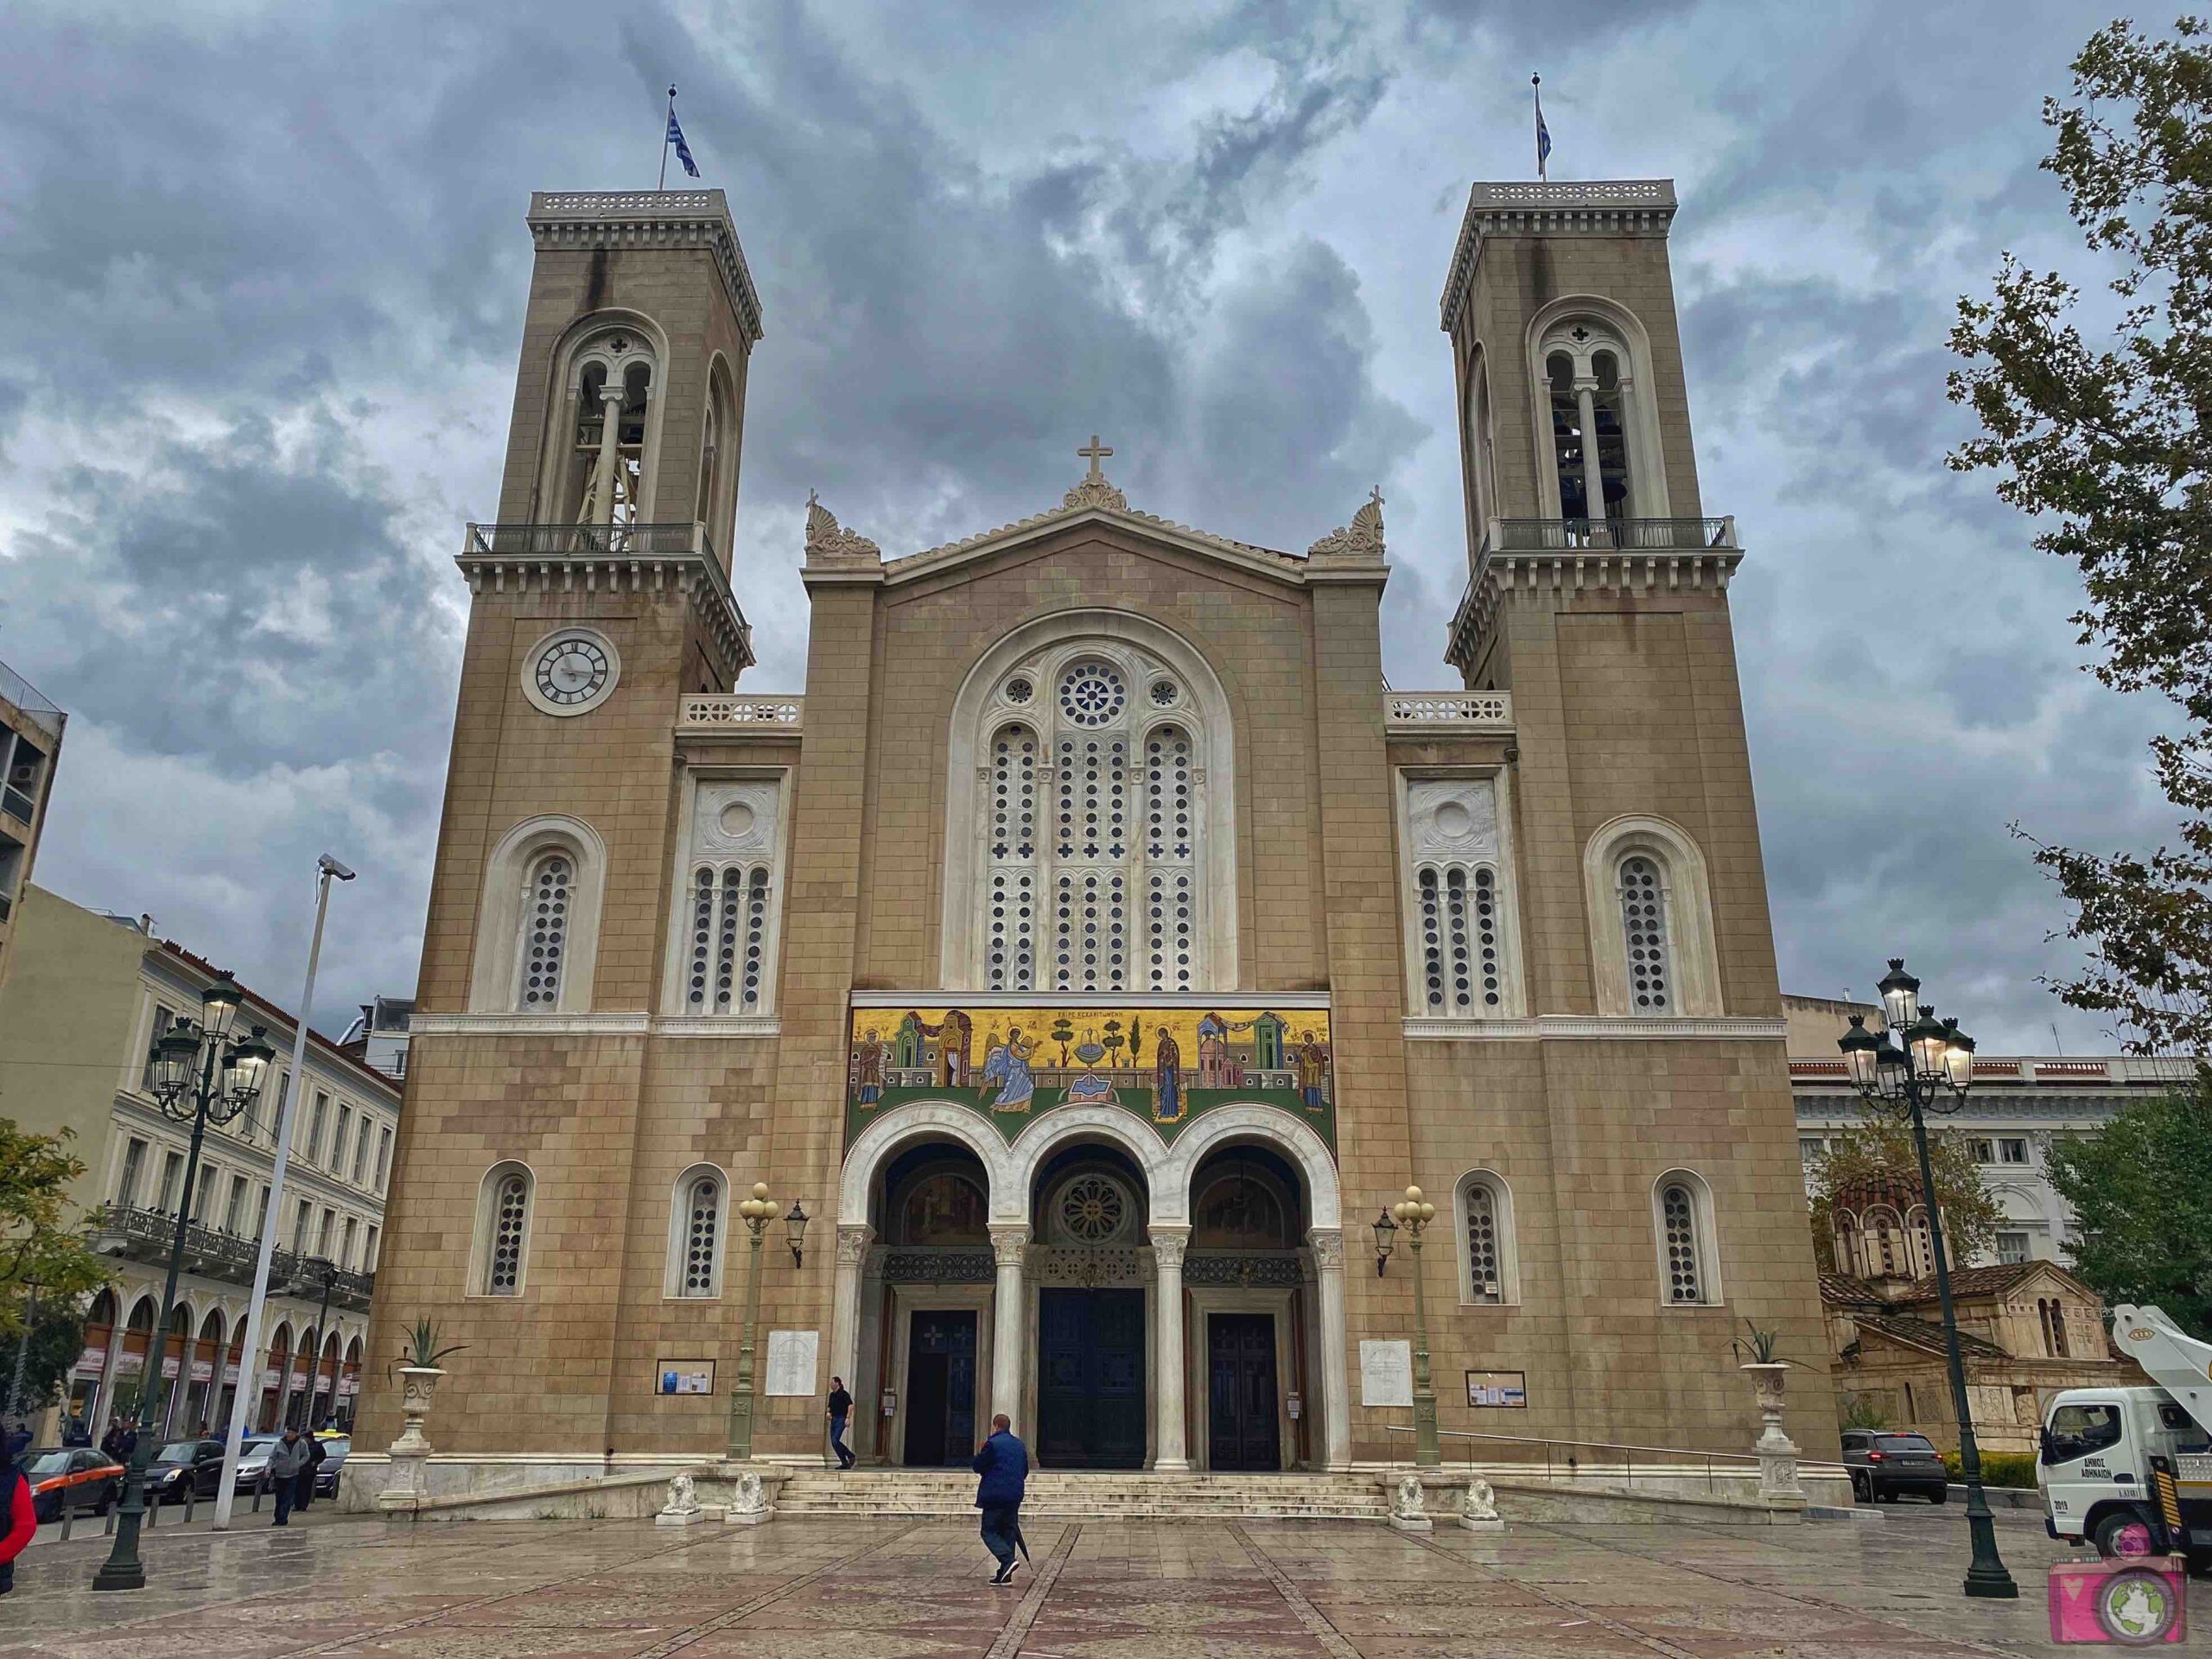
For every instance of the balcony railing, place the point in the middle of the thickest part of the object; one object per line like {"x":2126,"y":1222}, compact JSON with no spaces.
{"x":42,"y":713}
{"x":584,"y":541}
{"x":723,"y":713}
{"x":147,"y":1234}
{"x":1448,"y":711}
{"x":1614,"y":535}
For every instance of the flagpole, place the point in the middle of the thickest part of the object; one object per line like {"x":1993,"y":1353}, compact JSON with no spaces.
{"x":663,"y":184}
{"x":1536,"y":81}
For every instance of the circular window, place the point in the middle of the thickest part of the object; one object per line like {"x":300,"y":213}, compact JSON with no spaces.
{"x":737,"y":818}
{"x":1093,"y":1209}
{"x":1018,"y":690}
{"x":1452,"y":820}
{"x":1092,"y":694}
{"x":1165,"y":694}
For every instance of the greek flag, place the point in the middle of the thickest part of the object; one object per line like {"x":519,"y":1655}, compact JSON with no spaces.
{"x":1543,"y":137}
{"x":682,"y":150}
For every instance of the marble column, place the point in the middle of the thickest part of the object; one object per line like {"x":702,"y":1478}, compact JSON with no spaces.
{"x":853,"y":1241}
{"x":1168,"y":1246}
{"x":610,"y":438}
{"x":870,"y":1361}
{"x":1328,"y":1244}
{"x":1593,"y":482}
{"x":1009,"y":1245}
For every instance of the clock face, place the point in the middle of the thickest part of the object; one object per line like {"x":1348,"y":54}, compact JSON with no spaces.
{"x":571,"y":672}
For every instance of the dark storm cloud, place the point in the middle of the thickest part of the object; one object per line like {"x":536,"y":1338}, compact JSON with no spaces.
{"x":261,"y":288}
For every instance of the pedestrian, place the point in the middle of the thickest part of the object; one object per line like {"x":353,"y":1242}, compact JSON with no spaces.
{"x":286,"y":1458}
{"x":18,"y":1521}
{"x":79,"y":1433}
{"x":112,"y":1442}
{"x":1003,"y":1463}
{"x":316,"y":1453}
{"x":19,"y":1441}
{"x":841,"y":1408}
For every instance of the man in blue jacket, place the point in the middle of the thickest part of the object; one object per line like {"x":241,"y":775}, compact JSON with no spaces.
{"x":1003,"y":1463}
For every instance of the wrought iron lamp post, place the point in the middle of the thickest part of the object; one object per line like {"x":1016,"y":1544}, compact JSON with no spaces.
{"x":1930,"y":1073}
{"x":1414,"y":1216}
{"x":199,"y":1074}
{"x":757,"y":1212}
{"x":323,"y":1269}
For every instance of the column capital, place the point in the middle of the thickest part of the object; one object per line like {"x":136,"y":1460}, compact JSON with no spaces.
{"x":1328,"y":1244}
{"x":1009,"y":1244}
{"x":853,"y":1240}
{"x":1168,"y":1244}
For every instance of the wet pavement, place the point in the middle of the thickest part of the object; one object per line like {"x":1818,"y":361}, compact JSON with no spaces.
{"x":914,"y":1588}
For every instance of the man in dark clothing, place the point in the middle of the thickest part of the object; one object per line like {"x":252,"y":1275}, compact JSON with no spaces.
{"x":78,"y":1433}
{"x":1003,"y":1463}
{"x":112,"y":1442}
{"x":317,"y":1454}
{"x":286,"y":1460}
{"x":841,"y":1407}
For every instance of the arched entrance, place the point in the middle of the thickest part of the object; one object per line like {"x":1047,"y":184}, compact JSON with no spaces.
{"x":1251,"y":1306}
{"x":931,"y":1283}
{"x":1089,"y":1269}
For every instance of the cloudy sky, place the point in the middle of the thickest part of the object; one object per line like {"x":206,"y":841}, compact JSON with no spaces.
{"x":261,"y":274}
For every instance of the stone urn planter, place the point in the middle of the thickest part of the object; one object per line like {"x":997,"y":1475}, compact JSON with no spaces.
{"x":418,"y":1386}
{"x":1778,"y":1453}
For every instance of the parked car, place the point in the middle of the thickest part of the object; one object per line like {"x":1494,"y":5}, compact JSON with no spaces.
{"x":253,"y":1459}
{"x":334,"y":1448}
{"x":1885,"y":1465}
{"x":78,"y":1476}
{"x":182,"y":1467}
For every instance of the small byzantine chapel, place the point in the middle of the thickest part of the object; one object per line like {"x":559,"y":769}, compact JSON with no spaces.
{"x":1097,"y":945}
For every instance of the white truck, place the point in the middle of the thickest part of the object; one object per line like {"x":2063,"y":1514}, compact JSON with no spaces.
{"x":2130,"y":1469}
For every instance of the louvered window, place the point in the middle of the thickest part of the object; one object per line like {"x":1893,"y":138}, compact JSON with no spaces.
{"x":729,"y":930}
{"x":1644,"y":922}
{"x":700,"y":1238}
{"x":1487,"y":1278}
{"x":510,"y":1228}
{"x":545,"y":931}
{"x":1685,"y":1269}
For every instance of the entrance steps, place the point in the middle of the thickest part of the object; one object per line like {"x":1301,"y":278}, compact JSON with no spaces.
{"x":1101,"y":1494}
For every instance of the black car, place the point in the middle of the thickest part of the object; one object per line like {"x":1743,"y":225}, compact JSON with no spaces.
{"x":1885,"y":1465}
{"x":183,"y":1466}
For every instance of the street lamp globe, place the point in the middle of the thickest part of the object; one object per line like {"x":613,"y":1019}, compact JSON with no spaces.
{"x":249,"y":1066}
{"x":1926,"y":1041}
{"x":174,"y":1056}
{"x":219,"y":1006}
{"x":1860,"y":1047}
{"x":1958,"y":1057}
{"x":795,"y":1222}
{"x":1900,"y":996}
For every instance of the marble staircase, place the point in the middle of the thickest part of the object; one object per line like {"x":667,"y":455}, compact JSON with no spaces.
{"x":1100,"y":1494}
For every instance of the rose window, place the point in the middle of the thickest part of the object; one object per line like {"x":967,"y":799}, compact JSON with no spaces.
{"x":1092,"y":694}
{"x":1092,"y":1210}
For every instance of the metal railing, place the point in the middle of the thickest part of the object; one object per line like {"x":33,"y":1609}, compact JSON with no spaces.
{"x":583,"y":540}
{"x":33,"y":702}
{"x":1573,"y":1466}
{"x":1615,"y":535}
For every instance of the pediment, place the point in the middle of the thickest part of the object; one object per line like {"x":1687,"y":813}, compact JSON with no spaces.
{"x":1350,"y":552}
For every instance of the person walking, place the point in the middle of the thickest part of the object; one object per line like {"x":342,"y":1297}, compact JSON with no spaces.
{"x":112,"y":1442}
{"x":317,"y":1453}
{"x":1003,"y":1463}
{"x":18,"y":1521}
{"x":286,"y":1459}
{"x":841,"y":1408}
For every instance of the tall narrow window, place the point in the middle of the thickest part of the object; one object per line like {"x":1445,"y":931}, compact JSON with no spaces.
{"x":545,"y":932}
{"x":1643,"y":920}
{"x":1171,"y":895}
{"x":126,"y":1186}
{"x":1567,"y":438}
{"x":729,"y":931}
{"x":1482,"y":1246}
{"x":172,"y":1177}
{"x":1685,"y":1269}
{"x":1010,"y":930}
{"x":510,"y":1225}
{"x":1092,"y":834}
{"x":698,"y":1241}
{"x":1460,"y":963}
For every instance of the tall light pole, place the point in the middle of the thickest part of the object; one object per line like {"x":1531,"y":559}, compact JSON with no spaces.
{"x":757,"y":1212}
{"x":1413,"y":1214}
{"x":1931,"y":1073}
{"x":327,"y":1270}
{"x":328,"y":869}
{"x":230,"y":1072}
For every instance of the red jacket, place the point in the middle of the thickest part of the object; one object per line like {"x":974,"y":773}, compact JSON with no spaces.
{"x":22,"y":1518}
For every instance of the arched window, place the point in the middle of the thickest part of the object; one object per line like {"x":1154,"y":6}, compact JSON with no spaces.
{"x":1651,"y":914}
{"x":1682,"y":1208}
{"x":1460,"y":966}
{"x":1482,"y":461}
{"x":537,"y":927}
{"x":548,"y":893}
{"x":599,"y":467}
{"x":1888,"y":1244}
{"x":1600,"y":464}
{"x":1459,"y":923}
{"x":503,"y":1231}
{"x":1090,"y":829}
{"x":1489,"y":1270}
{"x":695,"y":1244}
{"x":721,"y":960}
{"x":729,"y":936}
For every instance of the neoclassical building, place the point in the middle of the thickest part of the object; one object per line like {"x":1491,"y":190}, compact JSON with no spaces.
{"x":1099,"y":945}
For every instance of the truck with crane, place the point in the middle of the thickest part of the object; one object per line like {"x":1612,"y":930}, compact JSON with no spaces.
{"x":2129,"y":1469}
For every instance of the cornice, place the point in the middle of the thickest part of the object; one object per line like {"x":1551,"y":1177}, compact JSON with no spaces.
{"x":1262,"y":561}
{"x":585,"y":219}
{"x":655,"y":558}
{"x":1501,"y":577}
{"x":1582,"y":1027}
{"x":530,"y":1025}
{"x":1520,"y":207}
{"x":929,"y":997}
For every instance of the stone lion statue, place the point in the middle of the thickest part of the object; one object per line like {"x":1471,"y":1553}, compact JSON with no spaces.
{"x":1409,"y":1501}
{"x":1482,"y":1501}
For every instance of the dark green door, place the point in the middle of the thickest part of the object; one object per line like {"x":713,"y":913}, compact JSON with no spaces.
{"x":1090,"y":1379}
{"x":941,"y":1389}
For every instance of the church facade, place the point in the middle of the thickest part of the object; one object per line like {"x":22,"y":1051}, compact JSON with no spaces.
{"x":1097,"y":948}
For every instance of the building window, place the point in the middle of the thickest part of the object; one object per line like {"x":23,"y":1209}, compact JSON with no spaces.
{"x":260,"y":1216}
{"x":1983,"y":1149}
{"x":369,"y":1248}
{"x":126,"y":1188}
{"x":1682,"y":1216}
{"x":1010,"y":933}
{"x":313,"y":1151}
{"x":729,"y":935}
{"x":504,"y":1230}
{"x":1811,"y":1148}
{"x":384,"y":1156}
{"x":1644,"y":922}
{"x":338,"y":1141}
{"x":2012,"y":1249}
{"x":172,"y":1177}
{"x":2012,"y":1151}
{"x":723,"y":959}
{"x":695,"y":1235}
{"x":345,"y":1256}
{"x":1490,"y":1270}
{"x":1649,"y":900}
{"x":544,"y":944}
{"x":361,"y":1151}
{"x":1170,"y":833}
{"x":1589,"y":410}
{"x":204,"y":1204}
{"x":322,"y":1233}
{"x":234,"y":1209}
{"x":1460,"y":924}
{"x":2053,"y":1316}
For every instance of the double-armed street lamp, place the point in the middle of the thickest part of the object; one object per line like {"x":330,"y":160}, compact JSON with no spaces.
{"x":757,"y":1212}
{"x":1412,"y":1214}
{"x":199,"y":1073}
{"x":1931,"y":1072}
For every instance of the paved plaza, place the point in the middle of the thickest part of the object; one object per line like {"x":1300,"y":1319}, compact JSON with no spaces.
{"x":341,"y":1587}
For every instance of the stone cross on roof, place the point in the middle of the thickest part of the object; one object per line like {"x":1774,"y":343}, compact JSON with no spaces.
{"x":1094,"y":452}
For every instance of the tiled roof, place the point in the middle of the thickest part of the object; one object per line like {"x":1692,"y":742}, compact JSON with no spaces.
{"x":1928,"y":1338}
{"x":1977,"y":1281}
{"x":1841,"y":1290}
